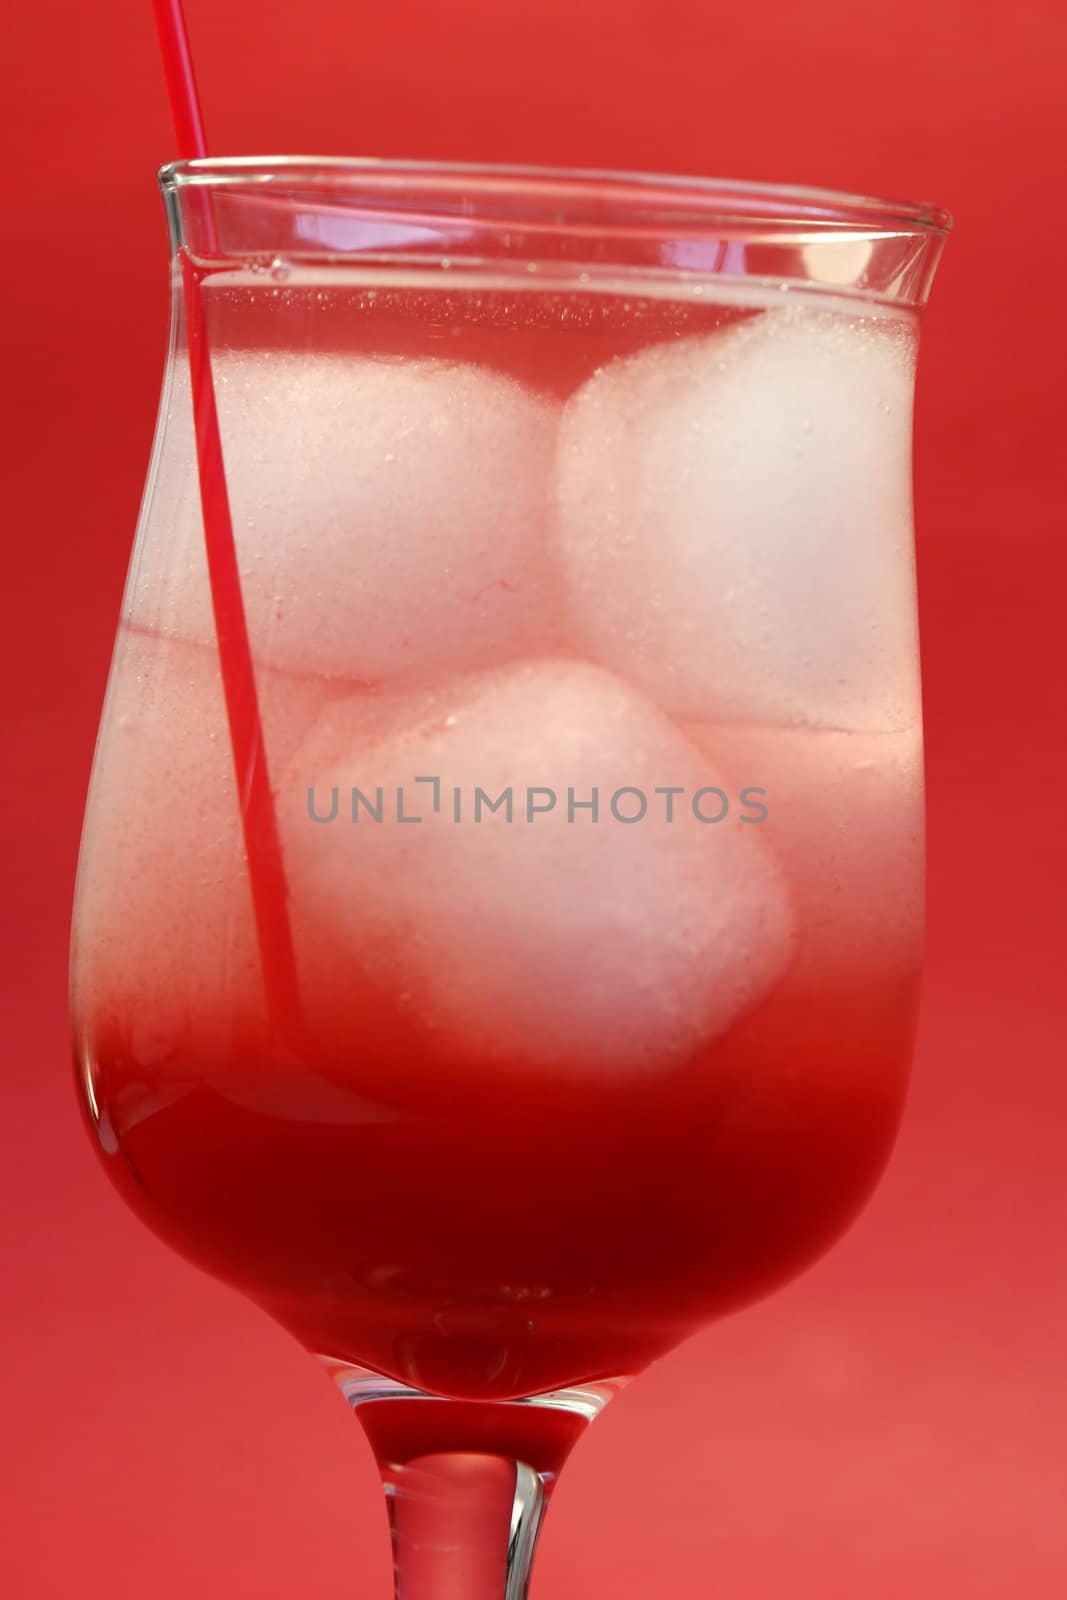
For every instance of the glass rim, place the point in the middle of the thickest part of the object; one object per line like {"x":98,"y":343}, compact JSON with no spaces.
{"x":723,"y":200}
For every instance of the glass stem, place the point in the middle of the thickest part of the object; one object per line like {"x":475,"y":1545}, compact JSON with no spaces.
{"x":464,"y":1526}
{"x":466,"y":1481}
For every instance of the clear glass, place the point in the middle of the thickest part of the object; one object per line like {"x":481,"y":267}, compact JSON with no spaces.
{"x":498,"y":922}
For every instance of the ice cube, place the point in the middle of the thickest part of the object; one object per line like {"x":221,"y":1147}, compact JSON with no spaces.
{"x":551,"y":940}
{"x":735,"y":521}
{"x":169,"y":946}
{"x":844,"y":816}
{"x":389,"y":515}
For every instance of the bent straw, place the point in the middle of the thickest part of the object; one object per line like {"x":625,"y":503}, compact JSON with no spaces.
{"x":259,"y":822}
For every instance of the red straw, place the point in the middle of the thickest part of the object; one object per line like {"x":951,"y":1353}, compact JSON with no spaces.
{"x":181,"y":79}
{"x":259,"y":823}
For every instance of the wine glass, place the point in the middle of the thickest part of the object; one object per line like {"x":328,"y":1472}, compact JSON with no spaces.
{"x":498,"y":919}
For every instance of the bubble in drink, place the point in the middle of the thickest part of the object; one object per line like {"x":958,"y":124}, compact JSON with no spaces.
{"x":735,"y":521}
{"x":387,"y":515}
{"x":560,"y":939}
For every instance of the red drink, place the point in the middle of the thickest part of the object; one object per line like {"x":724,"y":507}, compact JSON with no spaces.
{"x":565,"y":1085}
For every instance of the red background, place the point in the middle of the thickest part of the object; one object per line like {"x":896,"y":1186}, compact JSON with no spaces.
{"x":896,"y":1422}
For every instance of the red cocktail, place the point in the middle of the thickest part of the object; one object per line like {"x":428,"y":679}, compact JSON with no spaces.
{"x":573,"y":523}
